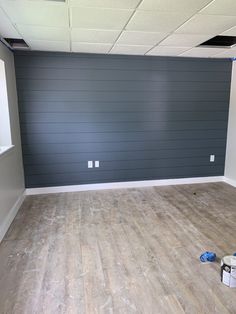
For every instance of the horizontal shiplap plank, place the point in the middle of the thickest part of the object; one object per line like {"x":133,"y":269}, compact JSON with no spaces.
{"x":121,"y":175}
{"x":65,"y":157}
{"x":121,"y":146}
{"x":94,"y":76}
{"x":113,"y":137}
{"x":114,"y":86}
{"x":107,"y":96}
{"x":121,"y":126}
{"x":50,"y":60}
{"x":122,"y":165}
{"x":125,"y":107}
{"x":121,"y":117}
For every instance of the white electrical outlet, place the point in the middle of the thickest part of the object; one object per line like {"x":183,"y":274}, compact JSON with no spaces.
{"x":90,"y":164}
{"x":97,"y":164}
{"x":212,"y":158}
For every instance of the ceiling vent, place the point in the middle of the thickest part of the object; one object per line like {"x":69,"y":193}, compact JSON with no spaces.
{"x":16,"y":43}
{"x":220,"y":42}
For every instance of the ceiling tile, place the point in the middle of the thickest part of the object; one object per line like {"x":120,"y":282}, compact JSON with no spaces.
{"x":94,"y":18}
{"x":45,"y":13}
{"x":140,"y":38}
{"x":189,"y":6}
{"x":166,"y":51}
{"x":44,"y":33}
{"x":130,"y":49}
{"x":115,"y":4}
{"x":227,"y":53}
{"x":154,"y":21}
{"x":221,"y":7}
{"x":93,"y":35}
{"x":45,"y":45}
{"x":7,"y":30}
{"x":230,"y":32}
{"x":91,"y":48}
{"x":185,"y":40}
{"x":202,"y":52}
{"x":207,"y":24}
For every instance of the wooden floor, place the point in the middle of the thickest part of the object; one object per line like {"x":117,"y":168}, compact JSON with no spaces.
{"x":120,"y":251}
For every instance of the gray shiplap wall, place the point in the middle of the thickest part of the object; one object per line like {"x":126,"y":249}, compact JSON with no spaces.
{"x":141,"y":117}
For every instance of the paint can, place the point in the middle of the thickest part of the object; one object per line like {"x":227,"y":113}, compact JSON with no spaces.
{"x":228,"y":271}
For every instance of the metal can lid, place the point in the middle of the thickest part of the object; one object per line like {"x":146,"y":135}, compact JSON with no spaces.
{"x":229,"y":260}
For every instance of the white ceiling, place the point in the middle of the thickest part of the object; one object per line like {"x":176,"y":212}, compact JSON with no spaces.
{"x":140,"y":27}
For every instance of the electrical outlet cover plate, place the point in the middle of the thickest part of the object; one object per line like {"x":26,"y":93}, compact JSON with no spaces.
{"x":212,"y":158}
{"x":90,"y":164}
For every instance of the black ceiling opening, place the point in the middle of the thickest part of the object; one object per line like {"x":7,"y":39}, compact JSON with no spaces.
{"x":220,"y":41}
{"x":16,"y":42}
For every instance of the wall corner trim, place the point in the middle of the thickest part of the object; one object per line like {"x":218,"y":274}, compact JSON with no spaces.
{"x":230,"y":181}
{"x":11,"y":215}
{"x":120,"y":185}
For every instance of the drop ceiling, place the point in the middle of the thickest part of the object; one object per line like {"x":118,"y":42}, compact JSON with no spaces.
{"x":146,"y":27}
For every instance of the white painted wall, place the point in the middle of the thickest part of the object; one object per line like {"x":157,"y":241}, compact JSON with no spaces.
{"x":11,"y":169}
{"x":230,"y":163}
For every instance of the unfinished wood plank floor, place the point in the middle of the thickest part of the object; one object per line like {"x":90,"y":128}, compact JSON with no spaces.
{"x":120,"y":251}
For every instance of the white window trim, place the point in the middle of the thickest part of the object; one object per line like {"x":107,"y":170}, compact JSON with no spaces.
{"x":5,"y":128}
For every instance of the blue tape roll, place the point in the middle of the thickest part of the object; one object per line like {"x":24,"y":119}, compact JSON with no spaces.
{"x":208,"y":257}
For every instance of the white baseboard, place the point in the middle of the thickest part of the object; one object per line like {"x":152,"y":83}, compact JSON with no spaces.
{"x":120,"y":185}
{"x":11,"y":215}
{"x":230,"y":181}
